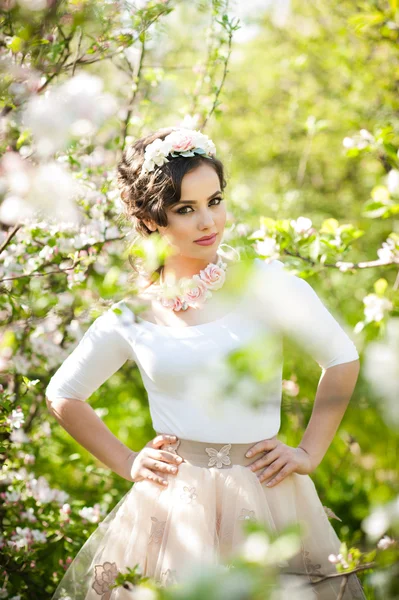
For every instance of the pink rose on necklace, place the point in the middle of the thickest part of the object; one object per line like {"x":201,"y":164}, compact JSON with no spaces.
{"x":175,"y":303}
{"x":213,"y":276}
{"x":196,"y":293}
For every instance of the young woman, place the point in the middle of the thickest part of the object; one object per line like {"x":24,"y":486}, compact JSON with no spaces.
{"x":194,"y":485}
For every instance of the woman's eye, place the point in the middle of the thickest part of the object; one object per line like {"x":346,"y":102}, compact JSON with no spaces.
{"x":180,"y":211}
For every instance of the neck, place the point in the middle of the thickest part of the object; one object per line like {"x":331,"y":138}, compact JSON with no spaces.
{"x":179,"y":266}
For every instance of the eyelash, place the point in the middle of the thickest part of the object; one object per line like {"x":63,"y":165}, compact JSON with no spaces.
{"x":186,"y":213}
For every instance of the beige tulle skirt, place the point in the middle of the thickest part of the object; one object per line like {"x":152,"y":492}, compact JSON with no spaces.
{"x":198,"y":521}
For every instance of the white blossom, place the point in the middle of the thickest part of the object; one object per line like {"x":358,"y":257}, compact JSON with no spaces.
{"x":91,"y":513}
{"x":33,"y":4}
{"x":381,"y":367}
{"x":385,"y":542}
{"x":388,"y":251}
{"x":381,"y":518}
{"x":12,"y":496}
{"x":393,"y":181}
{"x":46,"y":253}
{"x":29,"y":515}
{"x":18,"y":436}
{"x":16,"y":419}
{"x":267,"y":247}
{"x":301,"y":225}
{"x":256,"y":548}
{"x":344,"y":266}
{"x":375,"y":307}
{"x":42,"y":492}
{"x":38,"y":536}
{"x":52,"y":116}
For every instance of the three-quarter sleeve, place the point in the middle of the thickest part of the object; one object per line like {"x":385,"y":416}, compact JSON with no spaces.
{"x":290,"y":305}
{"x":102,"y":350}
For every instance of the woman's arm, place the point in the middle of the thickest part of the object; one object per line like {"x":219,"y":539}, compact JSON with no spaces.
{"x":103,"y":349}
{"x":333,"y":394}
{"x":289,"y":305}
{"x":82,"y":423}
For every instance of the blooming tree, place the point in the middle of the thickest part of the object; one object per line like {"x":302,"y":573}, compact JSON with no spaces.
{"x":76,"y":90}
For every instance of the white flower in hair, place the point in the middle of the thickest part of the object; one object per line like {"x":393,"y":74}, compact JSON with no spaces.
{"x":181,"y":142}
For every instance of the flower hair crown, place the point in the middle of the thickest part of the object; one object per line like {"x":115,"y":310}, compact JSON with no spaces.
{"x":181,"y":142}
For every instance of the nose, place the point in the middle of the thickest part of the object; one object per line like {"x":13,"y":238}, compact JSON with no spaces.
{"x":206,"y":220}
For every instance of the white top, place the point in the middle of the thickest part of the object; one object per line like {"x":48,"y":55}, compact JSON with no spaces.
{"x":193,"y":391}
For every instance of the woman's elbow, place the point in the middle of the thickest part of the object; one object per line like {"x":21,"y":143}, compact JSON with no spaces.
{"x":50,"y":405}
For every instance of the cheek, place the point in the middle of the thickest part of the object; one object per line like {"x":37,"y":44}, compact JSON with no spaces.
{"x":222,"y":214}
{"x":178,"y":226}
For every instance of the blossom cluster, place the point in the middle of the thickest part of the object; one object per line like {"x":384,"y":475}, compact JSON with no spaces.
{"x":181,"y":142}
{"x":193,"y":291}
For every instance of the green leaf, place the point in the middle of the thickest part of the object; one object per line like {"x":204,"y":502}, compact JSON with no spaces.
{"x":314,"y":249}
{"x":16,"y":44}
{"x":329,"y":226}
{"x":75,"y":456}
{"x":366,"y":20}
{"x":380,"y":286}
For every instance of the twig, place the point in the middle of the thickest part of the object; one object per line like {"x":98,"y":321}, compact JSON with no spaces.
{"x":361,"y":265}
{"x":35,"y":274}
{"x":10,"y":236}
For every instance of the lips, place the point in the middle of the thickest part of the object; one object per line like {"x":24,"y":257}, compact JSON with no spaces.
{"x":208,"y":237}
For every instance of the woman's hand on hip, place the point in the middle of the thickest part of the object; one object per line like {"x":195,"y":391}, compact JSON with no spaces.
{"x":279,"y":459}
{"x":153,"y":463}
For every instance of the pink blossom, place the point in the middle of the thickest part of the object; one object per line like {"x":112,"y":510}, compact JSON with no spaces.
{"x":66,"y":508}
{"x":184,"y":143}
{"x":213,"y":276}
{"x":173,"y":303}
{"x":195,"y":296}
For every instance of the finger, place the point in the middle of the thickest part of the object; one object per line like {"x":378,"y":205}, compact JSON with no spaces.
{"x":157,"y":465}
{"x":271,"y":470}
{"x":163,"y":438}
{"x":264,"y":461}
{"x":163,"y":456}
{"x":169,"y":457}
{"x":287,"y":470}
{"x":154,"y":477}
{"x":262,"y":446}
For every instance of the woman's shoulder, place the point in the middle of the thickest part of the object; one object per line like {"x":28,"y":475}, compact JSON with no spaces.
{"x":276,"y":283}
{"x":121,"y":313}
{"x":112,"y":321}
{"x":274,"y":263}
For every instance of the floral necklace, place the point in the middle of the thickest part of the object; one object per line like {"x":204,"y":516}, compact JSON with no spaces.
{"x":192,"y":292}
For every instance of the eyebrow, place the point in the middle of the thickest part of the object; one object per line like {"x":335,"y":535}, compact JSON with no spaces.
{"x":194,"y":201}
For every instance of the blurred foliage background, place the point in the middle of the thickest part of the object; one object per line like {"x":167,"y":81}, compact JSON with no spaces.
{"x":301,"y":101}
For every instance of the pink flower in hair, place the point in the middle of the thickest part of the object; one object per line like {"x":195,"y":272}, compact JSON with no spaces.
{"x":182,"y":142}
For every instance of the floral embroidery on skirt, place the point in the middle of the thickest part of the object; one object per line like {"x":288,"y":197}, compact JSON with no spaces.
{"x":104,"y":577}
{"x":157,"y":530}
{"x":189,"y":494}
{"x":247,"y":515}
{"x":312,"y":567}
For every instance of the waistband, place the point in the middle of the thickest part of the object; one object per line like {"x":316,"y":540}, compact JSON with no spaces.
{"x":220,"y":456}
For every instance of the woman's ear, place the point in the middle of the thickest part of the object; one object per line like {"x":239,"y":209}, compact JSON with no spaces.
{"x":150,"y":224}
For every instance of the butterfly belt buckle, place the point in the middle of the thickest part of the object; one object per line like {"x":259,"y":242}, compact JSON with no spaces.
{"x":220,"y":458}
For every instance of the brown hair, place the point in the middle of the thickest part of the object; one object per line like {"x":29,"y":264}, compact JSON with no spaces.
{"x":147,"y":196}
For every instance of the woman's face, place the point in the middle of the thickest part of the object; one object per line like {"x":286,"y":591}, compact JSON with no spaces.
{"x":200,"y":212}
